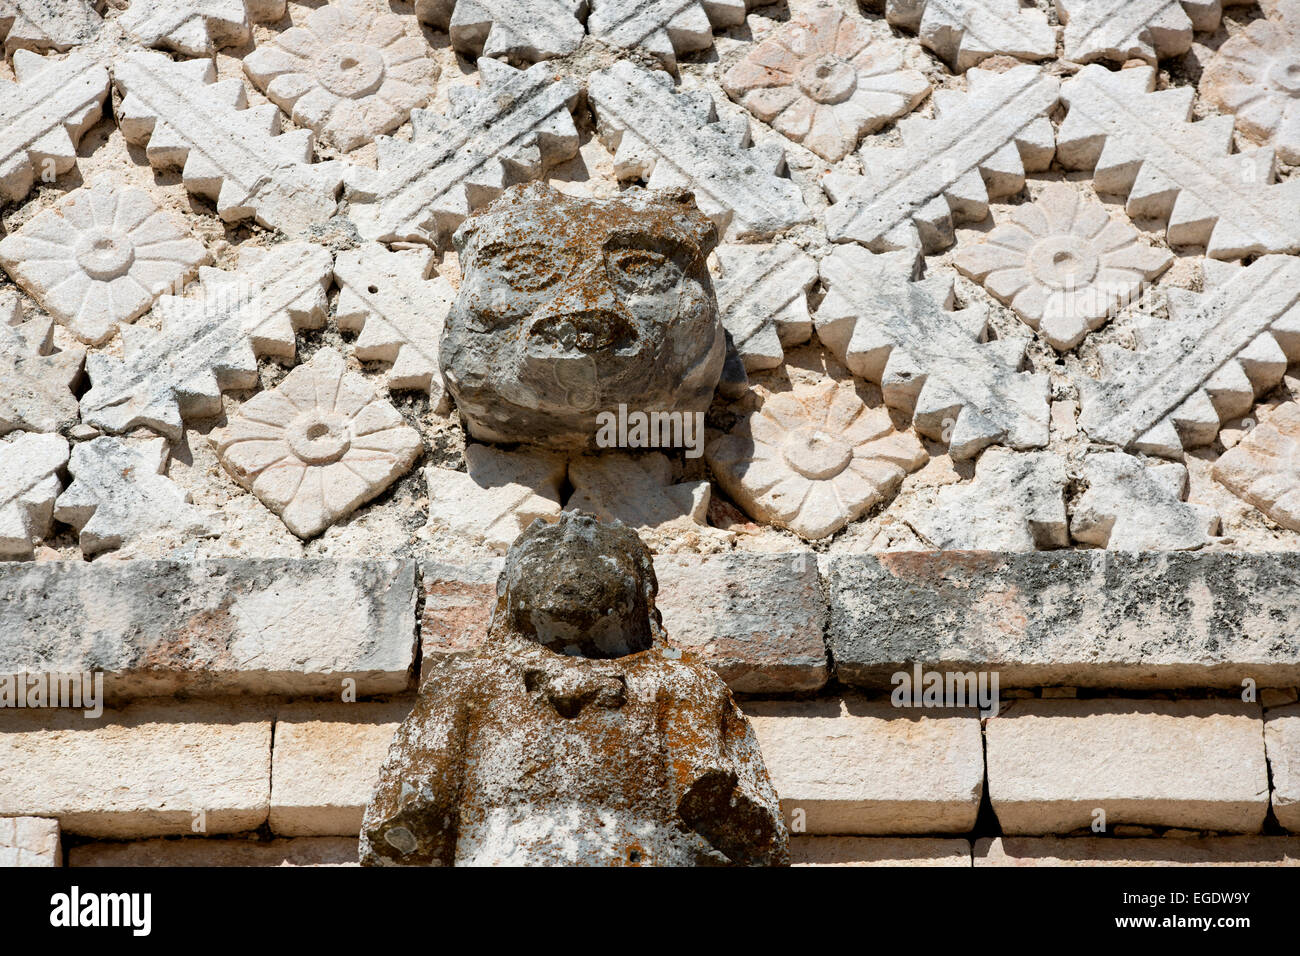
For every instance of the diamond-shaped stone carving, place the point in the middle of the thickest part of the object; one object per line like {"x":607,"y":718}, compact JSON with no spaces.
{"x":49,"y":24}
{"x":318,"y":445}
{"x":36,"y":381}
{"x":821,"y":81}
{"x":762,"y":295}
{"x":119,"y":495}
{"x":197,"y":27}
{"x":1131,"y":505}
{"x":515,"y":125}
{"x":43,"y":117}
{"x":29,"y":483}
{"x":978,"y":146}
{"x":228,"y":152}
{"x":346,"y":72}
{"x":1063,"y":264}
{"x":1264,"y":468}
{"x":399,"y":307}
{"x":964,"y":32}
{"x":511,"y":29}
{"x":500,"y":495}
{"x":100,"y":257}
{"x":210,"y":342}
{"x":675,"y":140}
{"x":932,"y":363}
{"x":814,"y":459}
{"x":663,"y":28}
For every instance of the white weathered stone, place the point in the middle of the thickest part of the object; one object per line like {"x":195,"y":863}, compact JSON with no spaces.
{"x":1122,"y":30}
{"x":511,"y":29}
{"x":211,"y":342}
{"x":29,"y":841}
{"x":101,"y":256}
{"x":500,"y":495}
{"x":1196,"y":764}
{"x":1264,"y":467}
{"x":931,"y":363}
{"x":29,"y":483}
{"x":398,"y":305}
{"x":36,"y":381}
{"x":43,"y":117}
{"x":318,"y":445}
{"x":878,"y":851}
{"x":964,"y":32}
{"x":762,"y":295}
{"x":638,"y":490}
{"x":1140,"y":143}
{"x":153,"y":768}
{"x":1254,"y":75}
{"x":49,"y":24}
{"x":325,"y":764}
{"x":1108,"y":851}
{"x":1016,"y":502}
{"x":857,"y":767}
{"x":1202,"y":366}
{"x":1063,"y":265}
{"x":814,"y":459}
{"x":1131,"y":505}
{"x":228,"y":152}
{"x":510,"y":128}
{"x":675,"y":140}
{"x":347,"y":73}
{"x":978,"y":146}
{"x":237,"y":851}
{"x":197,"y":27}
{"x":1282,"y":742}
{"x":663,"y":28}
{"x":119,"y":495}
{"x":823,"y":82}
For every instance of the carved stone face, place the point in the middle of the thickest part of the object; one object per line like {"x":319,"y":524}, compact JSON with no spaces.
{"x":580,"y":588}
{"x":569,"y":307}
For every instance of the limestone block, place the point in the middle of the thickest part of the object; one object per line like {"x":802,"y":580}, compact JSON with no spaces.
{"x":640,"y":492}
{"x":29,"y":841}
{"x":663,"y":28}
{"x":197,"y":27}
{"x":500,"y":494}
{"x":878,"y":851}
{"x":964,"y":32}
{"x":510,"y":29}
{"x":29,"y":483}
{"x":852,"y":766}
{"x":1109,"y":851}
{"x":763,"y":299}
{"x":211,"y":851}
{"x":1135,"y":506}
{"x":1194,"y":764}
{"x":1120,"y":30}
{"x":1264,"y":467}
{"x":49,"y":24}
{"x":1282,"y":740}
{"x":36,"y":381}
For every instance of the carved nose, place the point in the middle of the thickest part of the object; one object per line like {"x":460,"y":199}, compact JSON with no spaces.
{"x":589,"y":330}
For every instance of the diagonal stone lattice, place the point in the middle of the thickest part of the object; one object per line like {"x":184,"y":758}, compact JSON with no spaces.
{"x":1202,"y":366}
{"x":29,"y":483}
{"x":508,"y":130}
{"x":931,"y":363}
{"x":675,"y":140}
{"x":510,"y":29}
{"x":398,"y":306}
{"x":1140,"y":143}
{"x":664,"y":28}
{"x":762,"y":295}
{"x":1264,"y":468}
{"x":49,"y":24}
{"x":209,"y":343}
{"x":964,"y":32}
{"x":1122,"y":30}
{"x":35,"y":385}
{"x":228,"y":152}
{"x":1132,"y":505}
{"x":197,"y":27}
{"x":978,"y":146}
{"x":43,"y":117}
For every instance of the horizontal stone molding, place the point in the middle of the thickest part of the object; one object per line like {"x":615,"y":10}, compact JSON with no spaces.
{"x":1079,"y":618}
{"x":212,"y":851}
{"x":212,"y":628}
{"x":1114,"y":851}
{"x":878,"y":851}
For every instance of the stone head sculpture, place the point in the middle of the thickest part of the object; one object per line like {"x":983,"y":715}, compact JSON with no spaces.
{"x":569,"y":307}
{"x":575,"y":734}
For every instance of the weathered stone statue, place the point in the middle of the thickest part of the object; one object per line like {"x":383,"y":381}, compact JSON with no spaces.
{"x":576,"y":735}
{"x":569,"y":307}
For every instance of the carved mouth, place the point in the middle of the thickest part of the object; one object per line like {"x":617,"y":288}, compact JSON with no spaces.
{"x":582,"y":332}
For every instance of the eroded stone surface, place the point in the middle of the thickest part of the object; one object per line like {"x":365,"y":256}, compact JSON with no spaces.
{"x":500,"y":494}
{"x":49,"y":24}
{"x":1264,"y":468}
{"x":1015,"y":502}
{"x":398,"y":305}
{"x":1122,"y":30}
{"x":640,"y":492}
{"x":978,"y":147}
{"x":228,"y":152}
{"x":347,"y":73}
{"x":1140,"y":143}
{"x":1282,"y":742}
{"x":1108,"y":851}
{"x":29,"y":483}
{"x":1063,"y":264}
{"x":814,"y":459}
{"x":100,"y":257}
{"x":43,"y":116}
{"x":932,"y":363}
{"x":821,"y":81}
{"x":964,"y":32}
{"x":663,"y":28}
{"x":593,"y":717}
{"x":675,"y":140}
{"x":119,"y":494}
{"x":524,"y":29}
{"x":763,"y":299}
{"x":570,"y":308}
{"x":29,"y":841}
{"x":35,"y":380}
{"x":513,"y":126}
{"x":197,"y":27}
{"x":878,"y":851}
{"x":237,"y":851}
{"x":318,"y":445}
{"x":1132,"y":505}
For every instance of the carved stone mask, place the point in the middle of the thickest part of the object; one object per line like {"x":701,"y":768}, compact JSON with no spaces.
{"x":569,"y":307}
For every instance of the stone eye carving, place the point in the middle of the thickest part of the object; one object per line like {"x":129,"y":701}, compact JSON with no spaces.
{"x":531,"y":267}
{"x":642,"y":271}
